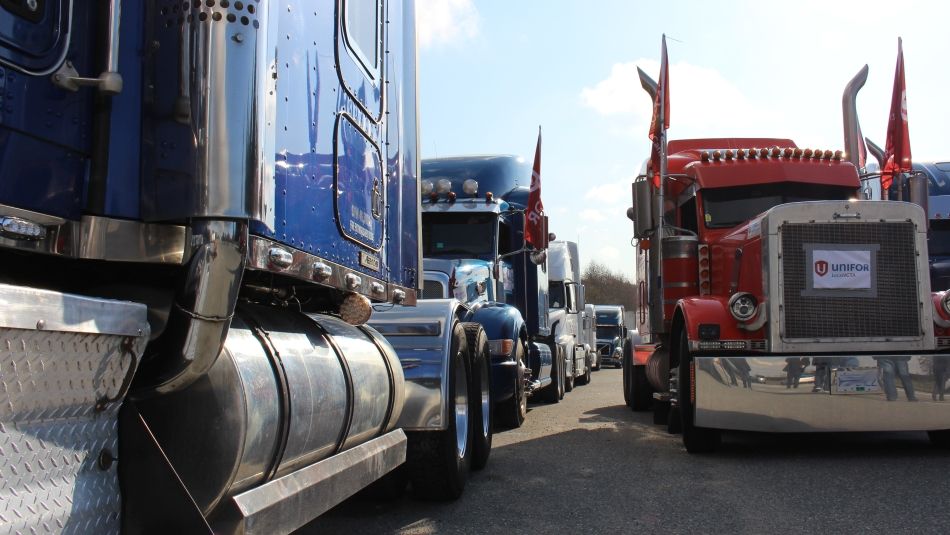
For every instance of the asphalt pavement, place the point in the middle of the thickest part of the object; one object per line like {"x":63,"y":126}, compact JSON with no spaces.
{"x":590,"y":465}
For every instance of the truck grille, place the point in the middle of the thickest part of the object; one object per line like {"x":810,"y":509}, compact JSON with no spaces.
{"x":894,"y":312}
{"x":604,"y":349}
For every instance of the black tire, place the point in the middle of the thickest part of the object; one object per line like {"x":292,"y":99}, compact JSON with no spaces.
{"x":569,"y":382}
{"x":390,"y":487}
{"x":695,"y":439}
{"x":642,"y":392}
{"x":480,"y":405}
{"x":554,"y":392}
{"x":512,"y":412}
{"x":940,"y":438}
{"x":437,"y":468}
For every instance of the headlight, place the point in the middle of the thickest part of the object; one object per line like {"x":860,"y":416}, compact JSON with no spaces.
{"x":470,"y":186}
{"x":443,"y":186}
{"x":427,"y":187}
{"x":945,"y":303}
{"x":742,"y":306}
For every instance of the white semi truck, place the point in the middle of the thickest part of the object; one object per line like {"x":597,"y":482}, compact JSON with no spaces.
{"x":567,"y":305}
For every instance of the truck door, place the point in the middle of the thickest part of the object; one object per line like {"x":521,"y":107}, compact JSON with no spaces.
{"x":45,"y":131}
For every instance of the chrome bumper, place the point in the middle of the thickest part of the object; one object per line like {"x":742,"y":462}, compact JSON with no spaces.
{"x":831,"y":393}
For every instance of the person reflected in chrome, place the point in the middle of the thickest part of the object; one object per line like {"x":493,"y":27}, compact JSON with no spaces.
{"x":794,"y":367}
{"x":896,"y":367}
{"x":940,"y":368}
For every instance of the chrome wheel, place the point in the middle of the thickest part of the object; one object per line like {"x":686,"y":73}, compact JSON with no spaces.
{"x":461,"y":411}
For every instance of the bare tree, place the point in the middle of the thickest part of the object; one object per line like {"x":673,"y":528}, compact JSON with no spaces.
{"x":602,"y":286}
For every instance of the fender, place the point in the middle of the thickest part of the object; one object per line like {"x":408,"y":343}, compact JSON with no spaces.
{"x":500,"y":322}
{"x":422,"y":337}
{"x":715,"y":310}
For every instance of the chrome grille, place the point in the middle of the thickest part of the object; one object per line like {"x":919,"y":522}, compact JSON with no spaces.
{"x":894,"y":312}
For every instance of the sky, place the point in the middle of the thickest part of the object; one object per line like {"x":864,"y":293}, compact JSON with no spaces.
{"x":492,"y":71}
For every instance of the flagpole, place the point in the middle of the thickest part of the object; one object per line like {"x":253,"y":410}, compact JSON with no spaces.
{"x":661,"y":94}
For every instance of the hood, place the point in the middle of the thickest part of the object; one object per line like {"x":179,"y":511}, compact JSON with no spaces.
{"x":469,"y":278}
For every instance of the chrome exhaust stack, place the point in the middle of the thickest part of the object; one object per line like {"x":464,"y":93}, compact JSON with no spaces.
{"x":852,"y":127}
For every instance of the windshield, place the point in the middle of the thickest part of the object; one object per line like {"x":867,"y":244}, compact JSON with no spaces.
{"x":556,"y":295}
{"x":608,"y":332}
{"x":728,"y":207}
{"x":608,"y":317}
{"x":458,"y":235}
{"x":938,"y":239}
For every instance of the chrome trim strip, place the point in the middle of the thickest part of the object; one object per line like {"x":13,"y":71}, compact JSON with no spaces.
{"x":43,"y":310}
{"x":286,"y":504}
{"x":433,"y":328}
{"x":687,"y":284}
{"x":310,"y":268}
{"x":101,"y":238}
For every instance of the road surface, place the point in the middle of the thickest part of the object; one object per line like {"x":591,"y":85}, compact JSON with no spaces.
{"x":590,"y":465}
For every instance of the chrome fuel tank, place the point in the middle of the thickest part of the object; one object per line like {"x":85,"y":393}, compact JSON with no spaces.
{"x":288,"y":390}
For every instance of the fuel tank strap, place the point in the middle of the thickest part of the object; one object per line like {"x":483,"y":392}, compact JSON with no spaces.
{"x":389,"y":372}
{"x":283,"y":420}
{"x":350,"y":390}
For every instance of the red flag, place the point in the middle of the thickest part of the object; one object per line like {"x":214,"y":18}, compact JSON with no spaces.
{"x":897,"y":146}
{"x":534,"y":226}
{"x":661,"y":115}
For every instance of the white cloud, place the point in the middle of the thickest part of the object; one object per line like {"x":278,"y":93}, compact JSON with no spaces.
{"x":611,"y":193}
{"x":592,"y":215}
{"x":701,"y":100}
{"x":445,"y":21}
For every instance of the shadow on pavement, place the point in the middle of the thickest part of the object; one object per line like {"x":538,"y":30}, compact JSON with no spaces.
{"x":620,"y":473}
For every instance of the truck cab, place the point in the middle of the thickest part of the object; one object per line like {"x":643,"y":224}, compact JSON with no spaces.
{"x":567,"y":306}
{"x":611,"y":334}
{"x":758,"y":252}
{"x":474,"y":250}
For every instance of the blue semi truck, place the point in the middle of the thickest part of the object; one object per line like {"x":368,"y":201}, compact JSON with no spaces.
{"x":474,"y":251}
{"x":200,"y":203}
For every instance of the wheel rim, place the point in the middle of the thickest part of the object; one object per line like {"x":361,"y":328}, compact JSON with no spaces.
{"x":486,"y":401}
{"x":461,"y":408}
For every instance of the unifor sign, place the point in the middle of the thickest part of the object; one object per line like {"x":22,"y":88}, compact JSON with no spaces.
{"x":841,"y":269}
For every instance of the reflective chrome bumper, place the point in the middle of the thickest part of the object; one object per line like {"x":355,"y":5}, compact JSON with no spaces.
{"x":778,"y":393}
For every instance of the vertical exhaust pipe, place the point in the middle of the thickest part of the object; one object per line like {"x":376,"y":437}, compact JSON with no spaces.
{"x":878,"y":154}
{"x":203,"y":308}
{"x":852,"y":128}
{"x":649,"y":85}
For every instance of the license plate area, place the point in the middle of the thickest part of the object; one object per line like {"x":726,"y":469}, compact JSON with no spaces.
{"x":855,"y":381}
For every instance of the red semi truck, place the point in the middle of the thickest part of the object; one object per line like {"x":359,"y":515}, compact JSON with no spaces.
{"x":771,"y":299}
